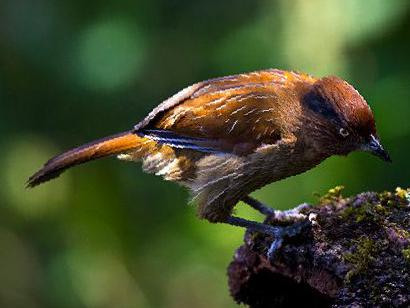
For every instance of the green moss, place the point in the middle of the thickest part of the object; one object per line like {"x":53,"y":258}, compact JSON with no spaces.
{"x":406,"y":254}
{"x":334,"y":194}
{"x":403,"y":194}
{"x":365,"y":212}
{"x":357,"y":213}
{"x":400,"y":197}
{"x":403,"y":234}
{"x":386,"y":198}
{"x":361,"y":257}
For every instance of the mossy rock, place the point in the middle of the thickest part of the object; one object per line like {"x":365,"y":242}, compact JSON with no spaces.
{"x":356,"y":253}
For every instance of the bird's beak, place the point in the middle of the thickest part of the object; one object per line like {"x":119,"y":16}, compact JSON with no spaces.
{"x":375,"y":147}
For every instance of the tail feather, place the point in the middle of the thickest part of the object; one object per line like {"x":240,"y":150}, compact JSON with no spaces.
{"x":112,"y":145}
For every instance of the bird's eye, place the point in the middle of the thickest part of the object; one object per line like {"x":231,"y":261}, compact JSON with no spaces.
{"x":344,"y":132}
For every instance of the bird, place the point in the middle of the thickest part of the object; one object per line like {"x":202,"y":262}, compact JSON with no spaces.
{"x":226,"y":137}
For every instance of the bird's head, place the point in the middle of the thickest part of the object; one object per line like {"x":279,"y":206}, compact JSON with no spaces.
{"x":342,"y":121}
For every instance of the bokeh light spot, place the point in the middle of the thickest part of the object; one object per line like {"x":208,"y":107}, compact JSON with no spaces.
{"x":22,"y":157}
{"x":321,"y":48}
{"x":109,"y":55}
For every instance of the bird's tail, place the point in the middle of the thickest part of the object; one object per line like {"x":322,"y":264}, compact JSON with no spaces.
{"x":112,"y":145}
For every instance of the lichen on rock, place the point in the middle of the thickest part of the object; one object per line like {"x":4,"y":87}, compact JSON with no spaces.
{"x":356,"y":252}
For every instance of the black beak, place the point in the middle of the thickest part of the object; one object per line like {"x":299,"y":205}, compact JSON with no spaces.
{"x":376,"y":148}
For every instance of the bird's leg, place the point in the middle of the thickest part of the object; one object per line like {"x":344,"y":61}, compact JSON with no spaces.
{"x":259,"y":206}
{"x":289,"y":231}
{"x":279,"y":233}
{"x":254,"y":226}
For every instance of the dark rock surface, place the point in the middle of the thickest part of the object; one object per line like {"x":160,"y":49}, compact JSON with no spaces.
{"x":355,"y":253}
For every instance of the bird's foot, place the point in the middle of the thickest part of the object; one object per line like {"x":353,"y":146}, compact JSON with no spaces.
{"x":277,"y":214}
{"x":280,"y":233}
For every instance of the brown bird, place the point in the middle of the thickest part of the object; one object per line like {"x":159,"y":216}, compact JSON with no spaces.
{"x":226,"y":137}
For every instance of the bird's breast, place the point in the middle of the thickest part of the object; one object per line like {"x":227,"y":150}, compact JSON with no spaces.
{"x":271,"y":163}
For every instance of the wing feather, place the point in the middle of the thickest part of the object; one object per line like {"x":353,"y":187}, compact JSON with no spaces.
{"x":231,"y":114}
{"x":180,"y":142}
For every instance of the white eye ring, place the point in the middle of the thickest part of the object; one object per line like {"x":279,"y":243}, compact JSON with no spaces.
{"x":344,"y":132}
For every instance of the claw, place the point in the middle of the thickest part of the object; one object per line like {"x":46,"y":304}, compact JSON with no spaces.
{"x":280,"y":233}
{"x":274,"y":247}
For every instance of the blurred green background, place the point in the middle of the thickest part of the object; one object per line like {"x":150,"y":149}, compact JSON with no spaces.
{"x":107,"y":235}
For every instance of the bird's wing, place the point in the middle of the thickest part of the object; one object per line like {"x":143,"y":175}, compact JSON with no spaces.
{"x":230,"y":114}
